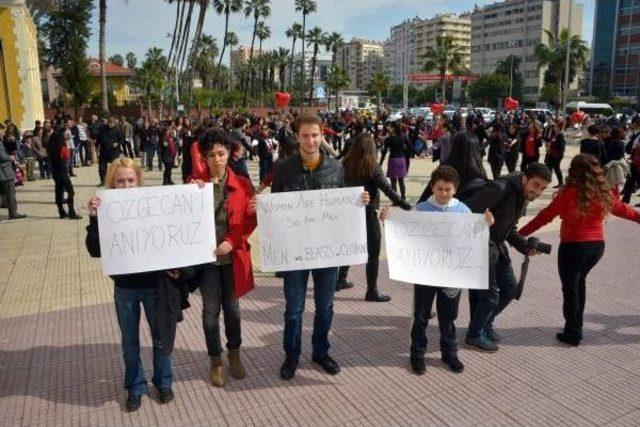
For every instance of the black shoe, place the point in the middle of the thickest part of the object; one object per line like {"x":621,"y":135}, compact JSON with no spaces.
{"x":418,"y":365}
{"x":72,"y":174}
{"x":493,"y":335}
{"x":17,"y":216}
{"x":329,"y":365}
{"x":133,"y":402}
{"x":165,"y":394}
{"x":343,"y":285}
{"x":375,"y":296}
{"x":74,"y":216}
{"x":564,"y":338}
{"x":481,"y":343}
{"x":62,"y":214}
{"x":288,"y":368}
{"x":453,"y":362}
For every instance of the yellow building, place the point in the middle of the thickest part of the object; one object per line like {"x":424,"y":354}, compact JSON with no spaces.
{"x":117,"y":81}
{"x":20,"y":90}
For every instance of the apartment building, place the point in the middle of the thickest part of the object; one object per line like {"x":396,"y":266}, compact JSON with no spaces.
{"x":407,"y":45}
{"x":517,"y":27}
{"x":615,"y":57}
{"x":361,"y":59}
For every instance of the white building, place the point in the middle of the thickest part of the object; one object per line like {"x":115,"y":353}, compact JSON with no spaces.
{"x":517,"y":27}
{"x":361,"y":59}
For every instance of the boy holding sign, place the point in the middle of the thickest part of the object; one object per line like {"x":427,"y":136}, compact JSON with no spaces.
{"x":309,"y":170}
{"x":444,"y":183}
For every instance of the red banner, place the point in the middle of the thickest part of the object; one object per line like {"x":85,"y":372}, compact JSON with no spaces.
{"x":421,"y":77}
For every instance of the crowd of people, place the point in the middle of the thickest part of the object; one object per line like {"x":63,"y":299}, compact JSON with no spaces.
{"x":333,"y":150}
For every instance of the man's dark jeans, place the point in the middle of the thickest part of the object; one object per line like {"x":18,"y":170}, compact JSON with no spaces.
{"x":127,"y":302}
{"x":486,"y":304}
{"x":447,"y":309}
{"x":217,"y":293}
{"x":295,"y":290}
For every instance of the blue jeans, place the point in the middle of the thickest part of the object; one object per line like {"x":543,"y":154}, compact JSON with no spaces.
{"x":127,"y":303}
{"x":152,"y":149}
{"x":265,"y":167}
{"x":295,"y":290}
{"x":486,"y":304}
{"x":447,"y":309}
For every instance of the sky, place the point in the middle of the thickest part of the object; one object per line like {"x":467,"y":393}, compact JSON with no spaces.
{"x":136,"y":25}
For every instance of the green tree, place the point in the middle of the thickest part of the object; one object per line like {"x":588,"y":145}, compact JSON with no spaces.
{"x":204,"y":61}
{"x":549,"y":94}
{"x":282,"y":60}
{"x":68,"y":31}
{"x":117,"y":59}
{"x":314,"y":39}
{"x":294,"y":32}
{"x":258,"y":9}
{"x":488,"y":89}
{"x":132,"y":61}
{"x":263,"y":32}
{"x":332,"y":43}
{"x":226,"y":7}
{"x":554,"y":55}
{"x":306,"y":7}
{"x":337,"y":80}
{"x":445,"y":56}
{"x":378,"y":85}
{"x":505,"y":68}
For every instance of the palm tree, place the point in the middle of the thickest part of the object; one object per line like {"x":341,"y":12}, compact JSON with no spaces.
{"x":337,"y":80}
{"x":554,"y":57}
{"x":263,"y":32}
{"x":204,"y":59}
{"x":306,"y":7}
{"x":445,"y":56}
{"x":332,"y":43}
{"x":294,"y":32}
{"x":181,"y":47}
{"x":315,"y":38}
{"x":177,"y":26}
{"x":227,"y":7}
{"x":131,"y":60}
{"x":232,"y":41}
{"x":378,"y":85}
{"x":259,"y":9}
{"x":282,"y":60}
{"x":104,"y":103}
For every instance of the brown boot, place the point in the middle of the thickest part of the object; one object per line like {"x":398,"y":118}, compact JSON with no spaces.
{"x":217,"y":372}
{"x":235,"y":364}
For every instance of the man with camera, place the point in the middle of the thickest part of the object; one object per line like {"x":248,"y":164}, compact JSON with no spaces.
{"x":507,"y":198}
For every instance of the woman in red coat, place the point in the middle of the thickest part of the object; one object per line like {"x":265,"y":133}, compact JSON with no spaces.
{"x":583,"y":204}
{"x":230,"y":276}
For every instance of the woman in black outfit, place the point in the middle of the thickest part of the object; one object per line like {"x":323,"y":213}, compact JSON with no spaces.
{"x":397,"y":147}
{"x":361,"y":169}
{"x":59,"y":156}
{"x":555,"y":149}
{"x":513,"y":148}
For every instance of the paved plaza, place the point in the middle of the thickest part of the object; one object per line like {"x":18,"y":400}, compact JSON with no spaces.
{"x":61,"y":364}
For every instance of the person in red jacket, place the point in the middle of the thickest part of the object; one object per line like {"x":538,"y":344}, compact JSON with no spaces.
{"x":231,"y":275}
{"x":583,"y":204}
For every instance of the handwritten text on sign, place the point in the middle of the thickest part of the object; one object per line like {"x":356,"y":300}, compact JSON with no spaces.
{"x":312,"y":229}
{"x":156,"y":228}
{"x":438,"y":249}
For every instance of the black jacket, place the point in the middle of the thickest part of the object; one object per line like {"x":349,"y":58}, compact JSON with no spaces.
{"x":378,"y":182}
{"x":504,"y":197}
{"x":109,"y":140}
{"x":291,"y":175}
{"x":595,"y":147}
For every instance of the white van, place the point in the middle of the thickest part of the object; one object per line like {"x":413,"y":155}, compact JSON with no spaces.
{"x":590,"y":108}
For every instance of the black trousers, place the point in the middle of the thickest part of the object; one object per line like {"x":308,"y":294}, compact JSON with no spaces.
{"x":8,"y":189}
{"x":447,"y":303}
{"x":526,"y":160}
{"x":374,"y":236}
{"x":553,"y":163}
{"x":496,"y":166}
{"x":630,"y":185}
{"x":511,"y":160}
{"x":575,"y":261}
{"x":63,"y":183}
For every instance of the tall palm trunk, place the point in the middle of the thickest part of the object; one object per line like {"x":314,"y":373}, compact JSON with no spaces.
{"x":260,"y":85}
{"x":251,"y":71}
{"x":175,"y":28}
{"x":281,"y":75}
{"x":104,"y":104}
{"x":224,"y":43}
{"x":313,"y":73}
{"x":304,"y":23}
{"x":293,"y":49}
{"x":194,"y":46}
{"x":171,"y":60}
{"x":443,"y":86}
{"x":186,"y":32}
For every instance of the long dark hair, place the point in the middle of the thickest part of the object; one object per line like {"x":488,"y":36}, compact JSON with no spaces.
{"x":362,"y":159}
{"x":587,"y":176}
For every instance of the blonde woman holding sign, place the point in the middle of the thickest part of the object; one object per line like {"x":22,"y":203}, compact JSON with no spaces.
{"x":131,"y":291}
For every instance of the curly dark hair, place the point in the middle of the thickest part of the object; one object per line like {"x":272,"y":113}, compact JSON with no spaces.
{"x":587,"y":175}
{"x":211,"y":138}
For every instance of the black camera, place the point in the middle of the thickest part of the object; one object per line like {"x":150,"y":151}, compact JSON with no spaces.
{"x":533,"y":243}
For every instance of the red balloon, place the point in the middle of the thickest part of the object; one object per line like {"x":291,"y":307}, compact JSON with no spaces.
{"x":282,"y":99}
{"x":577,"y":117}
{"x":510,"y":103}
{"x":437,"y":108}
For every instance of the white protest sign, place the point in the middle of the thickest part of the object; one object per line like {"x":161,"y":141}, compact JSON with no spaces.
{"x":156,"y":228}
{"x":438,"y":249}
{"x":301,"y":230}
